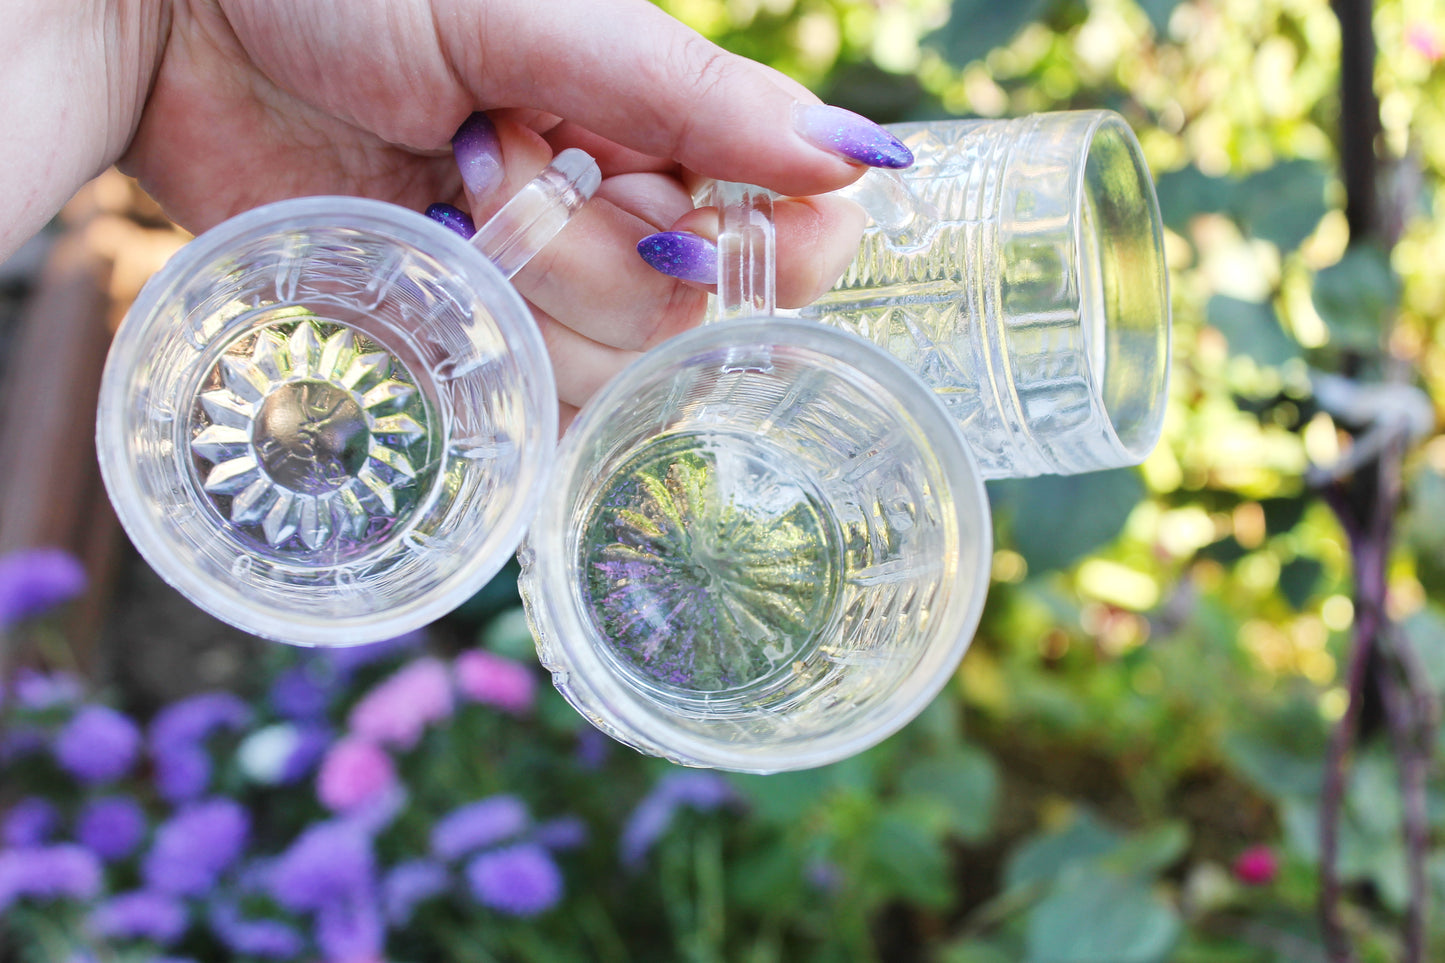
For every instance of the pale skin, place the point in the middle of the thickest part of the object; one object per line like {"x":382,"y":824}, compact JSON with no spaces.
{"x":217,"y":106}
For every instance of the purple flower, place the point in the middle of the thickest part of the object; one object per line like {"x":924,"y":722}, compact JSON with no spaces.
{"x":300,"y":694}
{"x":312,"y":741}
{"x":30,"y":822}
{"x":97,"y":745}
{"x":398,"y":710}
{"x":519,"y":880}
{"x":349,"y":929}
{"x":349,"y":659}
{"x":648,"y":823}
{"x":194,"y":847}
{"x":593,"y":748}
{"x":410,"y":884}
{"x":478,"y":824}
{"x":112,"y":826}
{"x":48,"y":872}
{"x":194,"y":718}
{"x":824,"y":875}
{"x":21,"y":740}
{"x":327,"y":860}
{"x":182,"y":773}
{"x":40,"y":690}
{"x":264,"y":938}
{"x":496,"y":681}
{"x":354,"y":772}
{"x":568,"y":832}
{"x":37,"y":579}
{"x":177,"y":738}
{"x":141,"y":915}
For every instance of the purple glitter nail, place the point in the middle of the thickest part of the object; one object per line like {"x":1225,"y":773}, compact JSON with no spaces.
{"x":479,"y":154}
{"x":850,"y":135}
{"x":678,"y":254}
{"x":453,"y":217}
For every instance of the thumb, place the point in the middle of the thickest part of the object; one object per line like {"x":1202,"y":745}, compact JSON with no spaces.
{"x":629,"y":72}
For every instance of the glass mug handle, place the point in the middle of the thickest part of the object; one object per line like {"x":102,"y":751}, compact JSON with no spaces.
{"x":525,"y":224}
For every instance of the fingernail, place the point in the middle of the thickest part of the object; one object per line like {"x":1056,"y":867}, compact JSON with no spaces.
{"x":478,"y":153}
{"x":453,"y":217}
{"x":850,"y":135}
{"x":678,"y":254}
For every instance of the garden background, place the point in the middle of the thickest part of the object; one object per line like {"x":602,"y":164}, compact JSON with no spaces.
{"x":1198,"y":723}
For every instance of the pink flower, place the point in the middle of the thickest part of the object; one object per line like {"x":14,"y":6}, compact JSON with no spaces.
{"x":1424,"y":41}
{"x":495,"y":681}
{"x":1256,"y":866}
{"x":354,"y":772}
{"x":397,"y":711}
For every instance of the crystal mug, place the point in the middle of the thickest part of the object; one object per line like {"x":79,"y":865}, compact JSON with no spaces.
{"x":1018,"y":269}
{"x":328,"y":420}
{"x":766,"y":545}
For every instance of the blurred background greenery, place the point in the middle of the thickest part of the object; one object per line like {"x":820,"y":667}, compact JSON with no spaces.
{"x":1166,"y":651}
{"x":1190,"y":728}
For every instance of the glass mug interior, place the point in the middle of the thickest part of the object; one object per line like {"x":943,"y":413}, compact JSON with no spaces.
{"x":766,"y":548}
{"x":327,"y":420}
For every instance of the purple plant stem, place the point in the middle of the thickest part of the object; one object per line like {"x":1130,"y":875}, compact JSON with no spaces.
{"x":1404,"y":725}
{"x":1369,"y":528}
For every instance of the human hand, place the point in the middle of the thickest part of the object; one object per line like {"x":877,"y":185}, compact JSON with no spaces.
{"x":254,"y":100}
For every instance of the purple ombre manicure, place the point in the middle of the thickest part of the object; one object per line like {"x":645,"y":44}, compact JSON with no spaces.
{"x":850,"y":135}
{"x":678,"y":254}
{"x":453,"y":217}
{"x":478,"y":152}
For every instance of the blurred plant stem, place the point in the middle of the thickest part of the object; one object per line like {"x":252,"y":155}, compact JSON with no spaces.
{"x":1365,"y":498}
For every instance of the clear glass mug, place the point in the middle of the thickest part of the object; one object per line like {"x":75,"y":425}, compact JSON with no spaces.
{"x":766,"y":545}
{"x":1018,"y":269}
{"x":327,"y":421}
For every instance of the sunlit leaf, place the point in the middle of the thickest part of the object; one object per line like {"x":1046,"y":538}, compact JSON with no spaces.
{"x":1283,"y":203}
{"x":1056,"y":520}
{"x":977,"y":26}
{"x":1297,"y":580}
{"x":1252,"y":329}
{"x":1356,"y":296}
{"x":1158,"y":12}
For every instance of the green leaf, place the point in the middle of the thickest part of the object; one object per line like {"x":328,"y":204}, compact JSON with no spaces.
{"x":976,"y":951}
{"x":508,"y":634}
{"x":1045,"y":857}
{"x":1297,"y":580}
{"x":1273,"y":769}
{"x":1425,"y":630}
{"x":966,"y":782}
{"x":1283,"y":203}
{"x":1188,"y":192}
{"x":1056,"y":520}
{"x":1158,"y":12}
{"x":909,"y":861}
{"x":1252,"y":329}
{"x":1150,"y":851}
{"x":786,"y":796}
{"x":977,"y":26}
{"x":1099,"y":917}
{"x":1284,"y":513}
{"x":1357,"y":296}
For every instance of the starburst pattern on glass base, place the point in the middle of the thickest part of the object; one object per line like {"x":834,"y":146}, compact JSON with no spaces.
{"x":308,"y":435}
{"x":709,"y":566}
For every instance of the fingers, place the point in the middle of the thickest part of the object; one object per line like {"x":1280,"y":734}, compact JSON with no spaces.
{"x":817,"y":238}
{"x":632,"y":74}
{"x":580,"y":364}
